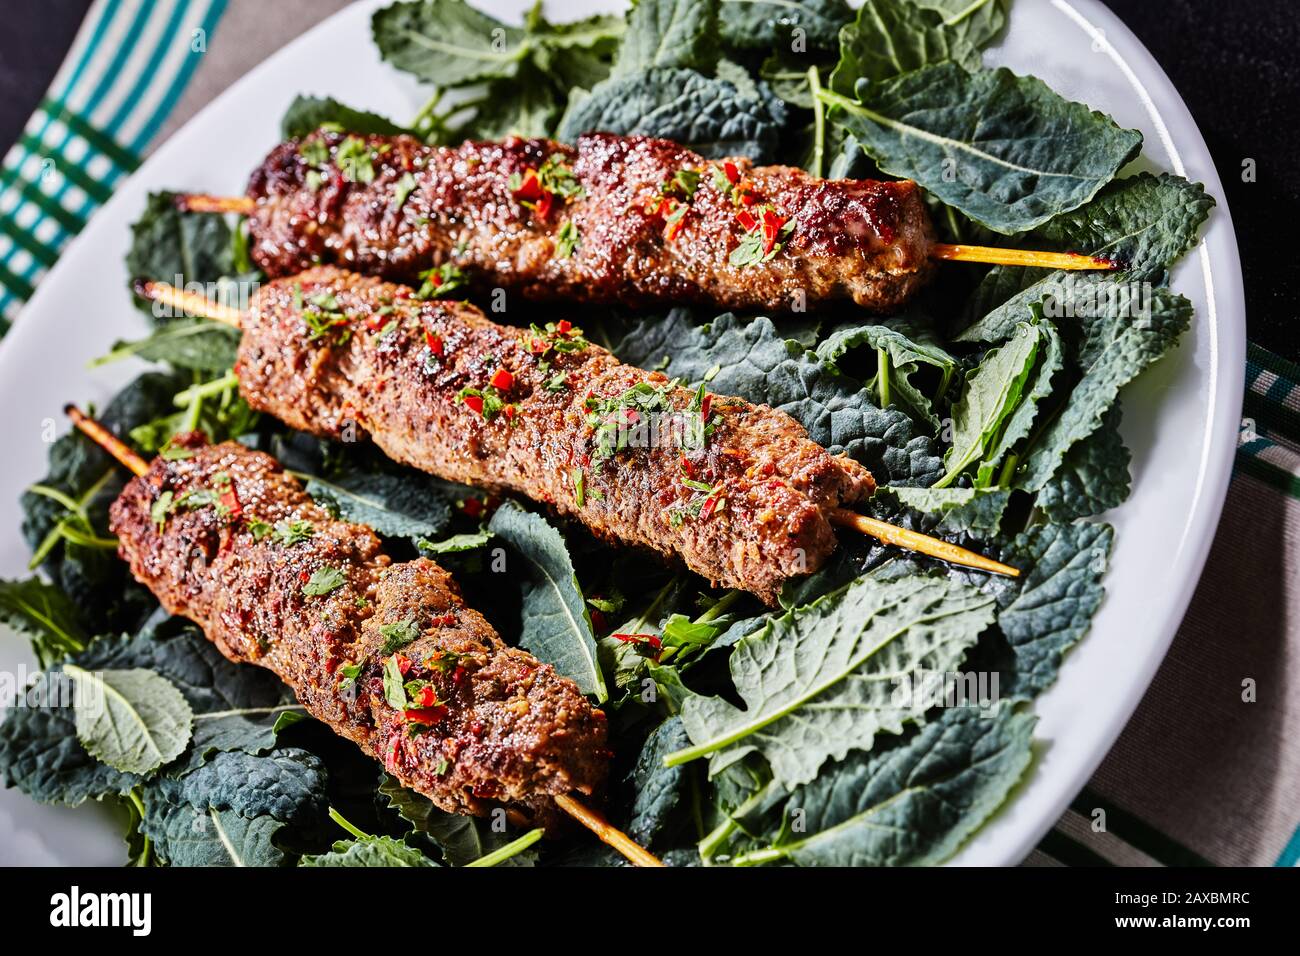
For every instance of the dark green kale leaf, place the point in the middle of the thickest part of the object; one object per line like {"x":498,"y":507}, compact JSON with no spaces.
{"x":890,"y":37}
{"x":198,"y":344}
{"x":1054,"y":601}
{"x":400,"y":504}
{"x":369,"y":851}
{"x":461,"y":839}
{"x":659,"y":790}
{"x":669,"y":33}
{"x":557,"y":625}
{"x":306,"y":114}
{"x":168,"y":245}
{"x":46,"y":616}
{"x":709,"y":115}
{"x":1004,"y":150}
{"x":1094,"y":476}
{"x":1145,"y":223}
{"x":769,"y":24}
{"x":912,"y":803}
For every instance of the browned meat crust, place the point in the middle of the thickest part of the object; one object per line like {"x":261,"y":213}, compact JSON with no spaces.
{"x":201,"y":533}
{"x":742,"y":500}
{"x":858,"y":239}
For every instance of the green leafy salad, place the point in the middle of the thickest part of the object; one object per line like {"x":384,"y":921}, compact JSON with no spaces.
{"x":884,"y":712}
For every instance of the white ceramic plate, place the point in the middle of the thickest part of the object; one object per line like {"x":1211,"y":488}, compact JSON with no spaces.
{"x":1180,"y":419}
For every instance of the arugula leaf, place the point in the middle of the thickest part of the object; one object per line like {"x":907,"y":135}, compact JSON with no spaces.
{"x":306,"y":114}
{"x":975,"y":21}
{"x":369,"y":851}
{"x":46,"y":616}
{"x":1053,"y":605}
{"x":708,"y":115}
{"x":976,"y":511}
{"x":1093,"y":478}
{"x":1004,"y":150}
{"x":669,"y":33}
{"x":1145,"y":222}
{"x":903,"y":345}
{"x":133,"y":720}
{"x":557,"y":627}
{"x":756,"y":363}
{"x":890,"y":37}
{"x":821,"y":680}
{"x":398,"y":504}
{"x":198,"y":344}
{"x":1121,"y":337}
{"x":993,"y":392}
{"x":764,"y":24}
{"x":167,"y":243}
{"x":912,"y":804}
{"x":462,"y":839}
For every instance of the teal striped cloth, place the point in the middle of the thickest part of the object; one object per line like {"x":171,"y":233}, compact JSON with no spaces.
{"x":130,"y":63}
{"x":1198,"y":778}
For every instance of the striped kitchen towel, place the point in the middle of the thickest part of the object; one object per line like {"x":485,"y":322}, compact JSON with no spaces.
{"x":1208,"y":770}
{"x":126,"y":70}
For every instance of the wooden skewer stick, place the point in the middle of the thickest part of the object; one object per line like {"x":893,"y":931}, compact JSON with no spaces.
{"x":922,"y":543}
{"x":202,"y":202}
{"x":593,"y":821}
{"x":1020,"y":257}
{"x":106,"y":440}
{"x":243,"y":205}
{"x":608,"y":834}
{"x":888,"y":533}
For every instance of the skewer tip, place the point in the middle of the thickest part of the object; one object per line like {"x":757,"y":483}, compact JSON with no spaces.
{"x":921,"y":543}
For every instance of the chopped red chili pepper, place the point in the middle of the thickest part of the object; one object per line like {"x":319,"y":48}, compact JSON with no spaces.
{"x":230,"y":501}
{"x":543,"y":207}
{"x":733,"y":174}
{"x":475,"y":403}
{"x":426,"y":696}
{"x":710,"y":503}
{"x":747,"y":220}
{"x":509,"y":412}
{"x":706,"y":405}
{"x":688,"y":467}
{"x":434,"y":342}
{"x":564,"y":326}
{"x":394,"y":753}
{"x":649,"y":639}
{"x":428,"y":716}
{"x":404,"y":663}
{"x":502,"y":379}
{"x":530,"y":188}
{"x":472,"y":507}
{"x":772,"y":223}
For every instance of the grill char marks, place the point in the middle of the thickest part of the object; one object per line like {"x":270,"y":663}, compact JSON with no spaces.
{"x":509,"y":731}
{"x":774,"y":486}
{"x":860,"y":239}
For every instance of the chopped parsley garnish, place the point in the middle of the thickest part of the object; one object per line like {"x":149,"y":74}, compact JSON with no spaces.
{"x":396,"y":636}
{"x":348,"y":675}
{"x":612,"y":417}
{"x":402,"y":191}
{"x":442,"y":768}
{"x":536,"y":189}
{"x":488,"y":402}
{"x":706,"y":500}
{"x":562,"y":337}
{"x":440,"y":281}
{"x":567,"y":240}
{"x":764,"y":237}
{"x":355,"y":160}
{"x":314,"y":152}
{"x":579,"y":487}
{"x":323,"y":581}
{"x":161,"y":508}
{"x":394,"y":686}
{"x":285,"y":533}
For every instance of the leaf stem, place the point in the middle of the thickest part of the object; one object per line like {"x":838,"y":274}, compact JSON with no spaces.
{"x":819,"y":122}
{"x":342,"y":821}
{"x":514,"y":847}
{"x":207,"y":389}
{"x":882,"y":376}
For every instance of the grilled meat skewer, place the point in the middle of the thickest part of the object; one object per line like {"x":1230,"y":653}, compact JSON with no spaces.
{"x":617,"y":220}
{"x":388,"y":655}
{"x":736,"y":491}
